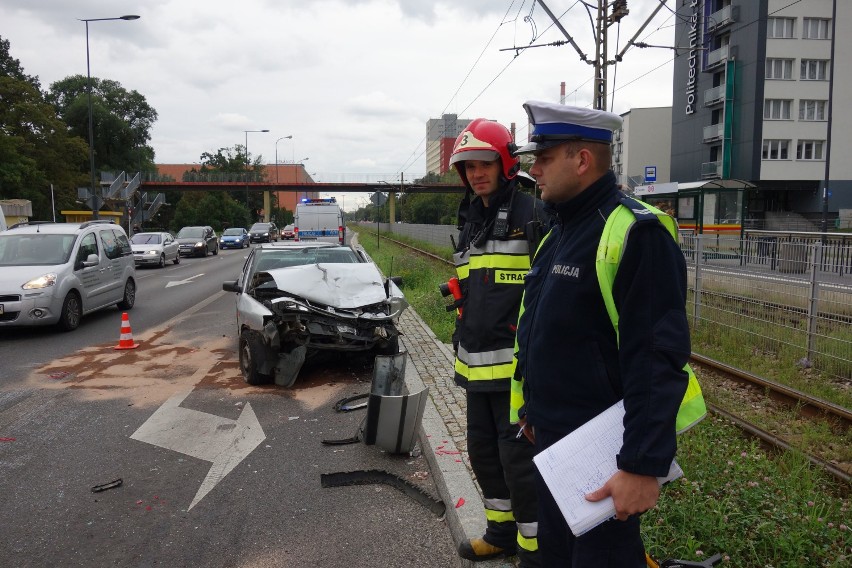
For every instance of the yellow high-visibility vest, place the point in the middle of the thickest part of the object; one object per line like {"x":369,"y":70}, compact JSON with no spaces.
{"x":613,"y":238}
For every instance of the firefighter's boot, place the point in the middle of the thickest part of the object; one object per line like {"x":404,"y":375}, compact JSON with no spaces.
{"x":477,"y":549}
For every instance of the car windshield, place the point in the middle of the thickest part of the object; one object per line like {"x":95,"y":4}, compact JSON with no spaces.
{"x":35,"y":249}
{"x":191,"y":233}
{"x":273,"y":258}
{"x":260,"y":227}
{"x":289,"y":227}
{"x":145,"y":239}
{"x":232,"y":232}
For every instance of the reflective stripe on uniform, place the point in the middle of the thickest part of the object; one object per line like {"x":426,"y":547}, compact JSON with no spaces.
{"x":497,"y":357}
{"x":498,"y":510}
{"x":528,"y":536}
{"x":487,"y":372}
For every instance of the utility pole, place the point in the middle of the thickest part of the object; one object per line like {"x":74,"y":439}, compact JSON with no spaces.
{"x":604,"y":20}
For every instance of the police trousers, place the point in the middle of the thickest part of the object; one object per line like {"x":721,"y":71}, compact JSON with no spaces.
{"x":612,"y":544}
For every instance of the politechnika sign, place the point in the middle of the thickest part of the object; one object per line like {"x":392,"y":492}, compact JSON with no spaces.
{"x":692,"y":76}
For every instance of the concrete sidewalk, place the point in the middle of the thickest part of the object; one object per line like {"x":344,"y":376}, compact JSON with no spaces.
{"x":443,"y":434}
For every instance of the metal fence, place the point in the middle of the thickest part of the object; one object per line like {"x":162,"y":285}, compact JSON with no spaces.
{"x":784,"y":297}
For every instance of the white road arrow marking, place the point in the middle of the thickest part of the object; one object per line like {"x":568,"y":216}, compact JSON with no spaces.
{"x":186,"y":281}
{"x":222,"y":441}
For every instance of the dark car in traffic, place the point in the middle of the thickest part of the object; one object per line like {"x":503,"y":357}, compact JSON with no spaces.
{"x":264,"y":233}
{"x":197,"y":241}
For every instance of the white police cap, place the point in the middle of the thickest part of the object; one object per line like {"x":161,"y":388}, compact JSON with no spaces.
{"x":555,"y":123}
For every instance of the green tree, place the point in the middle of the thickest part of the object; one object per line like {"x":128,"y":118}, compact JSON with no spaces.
{"x":214,"y":208}
{"x":432,"y":208}
{"x":36,"y":149}
{"x":122,"y":121}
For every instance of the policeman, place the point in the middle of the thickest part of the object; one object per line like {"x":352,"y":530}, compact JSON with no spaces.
{"x":575,"y":360}
{"x":499,"y":227}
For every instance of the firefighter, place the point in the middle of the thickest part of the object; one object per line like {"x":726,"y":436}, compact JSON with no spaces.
{"x":499,"y":229}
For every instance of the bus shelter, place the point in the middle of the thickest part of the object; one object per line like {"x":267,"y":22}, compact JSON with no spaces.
{"x":713,"y":206}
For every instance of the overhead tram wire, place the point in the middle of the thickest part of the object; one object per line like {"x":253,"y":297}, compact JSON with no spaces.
{"x":406,"y":164}
{"x":410,"y":162}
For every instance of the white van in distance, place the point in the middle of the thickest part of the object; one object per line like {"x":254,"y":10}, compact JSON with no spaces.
{"x":319,"y":220}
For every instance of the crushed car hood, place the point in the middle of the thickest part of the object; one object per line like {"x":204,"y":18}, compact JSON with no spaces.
{"x":342,"y":286}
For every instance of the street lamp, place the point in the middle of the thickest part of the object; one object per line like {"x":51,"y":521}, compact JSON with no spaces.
{"x":246,"y":132}
{"x":276,"y":154}
{"x":96,"y":193}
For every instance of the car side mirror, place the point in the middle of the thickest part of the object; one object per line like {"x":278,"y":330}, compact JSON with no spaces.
{"x":91,"y":260}
{"x":230,"y":286}
{"x":396,"y":280}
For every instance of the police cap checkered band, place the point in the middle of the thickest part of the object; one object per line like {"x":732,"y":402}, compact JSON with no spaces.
{"x":555,"y":123}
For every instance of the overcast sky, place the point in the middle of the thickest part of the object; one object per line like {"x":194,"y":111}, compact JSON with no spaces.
{"x":353,"y":81}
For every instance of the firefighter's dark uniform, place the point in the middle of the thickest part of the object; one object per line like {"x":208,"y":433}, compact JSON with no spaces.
{"x":574,"y":367}
{"x":491,"y":269}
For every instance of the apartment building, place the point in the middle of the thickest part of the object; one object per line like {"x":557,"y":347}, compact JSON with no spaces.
{"x":441,"y":134}
{"x":758,"y":96}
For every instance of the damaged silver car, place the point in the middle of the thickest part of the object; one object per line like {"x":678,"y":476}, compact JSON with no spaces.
{"x":295,"y":300}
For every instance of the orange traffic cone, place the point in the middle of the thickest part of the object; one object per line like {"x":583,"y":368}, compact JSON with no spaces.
{"x":126,"y":339}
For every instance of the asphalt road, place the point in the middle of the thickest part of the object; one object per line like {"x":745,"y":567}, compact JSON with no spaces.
{"x":214,"y":472}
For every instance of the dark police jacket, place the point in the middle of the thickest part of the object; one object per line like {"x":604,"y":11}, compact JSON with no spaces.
{"x":569,"y":356}
{"x":491,"y":270}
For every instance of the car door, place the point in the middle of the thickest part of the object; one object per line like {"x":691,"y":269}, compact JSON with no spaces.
{"x":113,"y":269}
{"x":94,"y":280}
{"x":170,"y":246}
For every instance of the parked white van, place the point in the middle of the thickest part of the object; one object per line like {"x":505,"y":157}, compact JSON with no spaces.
{"x":319,"y":220}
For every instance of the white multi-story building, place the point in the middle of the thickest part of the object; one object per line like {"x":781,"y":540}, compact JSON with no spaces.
{"x":643,"y":142}
{"x":761,"y":95}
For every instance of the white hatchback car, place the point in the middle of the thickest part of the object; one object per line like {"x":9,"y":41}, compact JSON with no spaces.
{"x":54,"y":273}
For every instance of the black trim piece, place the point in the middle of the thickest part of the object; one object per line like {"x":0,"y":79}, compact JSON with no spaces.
{"x":373,"y":476}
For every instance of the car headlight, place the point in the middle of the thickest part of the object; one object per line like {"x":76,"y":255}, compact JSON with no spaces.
{"x":199,"y":244}
{"x":265,"y":234}
{"x":152,"y":252}
{"x":43,"y":281}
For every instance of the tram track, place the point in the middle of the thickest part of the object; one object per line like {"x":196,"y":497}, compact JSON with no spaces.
{"x":769,"y":397}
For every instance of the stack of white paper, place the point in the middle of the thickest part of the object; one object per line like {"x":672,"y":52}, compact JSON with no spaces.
{"x":582,"y":462}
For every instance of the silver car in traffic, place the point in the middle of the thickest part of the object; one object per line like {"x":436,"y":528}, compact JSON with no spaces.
{"x":154,"y":249}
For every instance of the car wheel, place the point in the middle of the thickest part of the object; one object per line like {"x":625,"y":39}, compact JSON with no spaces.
{"x":216,"y":250}
{"x":177,"y":258}
{"x":129,"y":295}
{"x":206,"y":252}
{"x":72,"y":311}
{"x":251,"y":349}
{"x":162,"y":261}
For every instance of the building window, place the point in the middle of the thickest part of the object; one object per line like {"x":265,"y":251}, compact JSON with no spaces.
{"x":779,"y":68}
{"x":777,"y":109}
{"x":815,"y":28}
{"x":776,"y":150}
{"x":814,"y":70}
{"x":780,"y":27}
{"x":812,"y":110}
{"x":810,"y":150}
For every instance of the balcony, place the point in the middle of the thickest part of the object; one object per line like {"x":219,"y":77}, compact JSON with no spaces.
{"x":714,"y":132}
{"x":711,"y":170}
{"x":714,"y":96}
{"x":717,"y":58}
{"x":723,"y":18}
